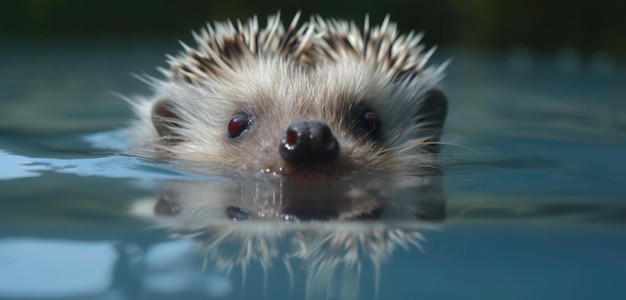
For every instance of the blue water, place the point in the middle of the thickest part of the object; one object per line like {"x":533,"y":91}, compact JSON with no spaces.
{"x":537,"y":210}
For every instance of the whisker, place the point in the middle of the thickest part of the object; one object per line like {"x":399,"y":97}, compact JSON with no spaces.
{"x":405,"y":147}
{"x":393,"y":139}
{"x":452,"y":144}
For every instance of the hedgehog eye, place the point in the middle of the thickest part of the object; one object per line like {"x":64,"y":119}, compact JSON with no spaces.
{"x":371,"y":123}
{"x":237,"y":213}
{"x":238,"y":124}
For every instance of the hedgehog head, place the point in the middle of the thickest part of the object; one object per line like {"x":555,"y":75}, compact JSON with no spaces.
{"x":326,"y":97}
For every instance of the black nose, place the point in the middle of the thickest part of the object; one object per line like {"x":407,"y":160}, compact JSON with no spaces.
{"x":309,"y":142}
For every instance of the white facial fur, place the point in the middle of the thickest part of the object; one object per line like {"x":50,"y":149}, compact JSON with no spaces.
{"x":322,"y":71}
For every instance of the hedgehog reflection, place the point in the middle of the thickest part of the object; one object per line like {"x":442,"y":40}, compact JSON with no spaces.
{"x":331,"y":232}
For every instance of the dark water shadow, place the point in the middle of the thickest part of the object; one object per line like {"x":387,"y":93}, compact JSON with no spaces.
{"x":323,"y":236}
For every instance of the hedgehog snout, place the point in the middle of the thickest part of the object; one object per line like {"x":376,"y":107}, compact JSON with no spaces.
{"x":309,"y":142}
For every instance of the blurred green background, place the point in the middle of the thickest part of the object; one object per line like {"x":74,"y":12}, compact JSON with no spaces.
{"x":586,"y":26}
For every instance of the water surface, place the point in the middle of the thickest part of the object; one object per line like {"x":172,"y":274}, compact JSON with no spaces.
{"x":538,"y":211}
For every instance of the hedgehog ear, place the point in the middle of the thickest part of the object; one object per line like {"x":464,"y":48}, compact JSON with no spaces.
{"x":431,"y":116}
{"x":165,"y":120}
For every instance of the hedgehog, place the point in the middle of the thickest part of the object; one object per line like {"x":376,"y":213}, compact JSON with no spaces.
{"x":321,"y":121}
{"x":310,"y":103}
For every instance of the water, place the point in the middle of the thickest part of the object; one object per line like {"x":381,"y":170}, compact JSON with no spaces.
{"x":538,"y":212}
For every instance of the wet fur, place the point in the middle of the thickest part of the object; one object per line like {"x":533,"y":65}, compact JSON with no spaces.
{"x":320,"y":70}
